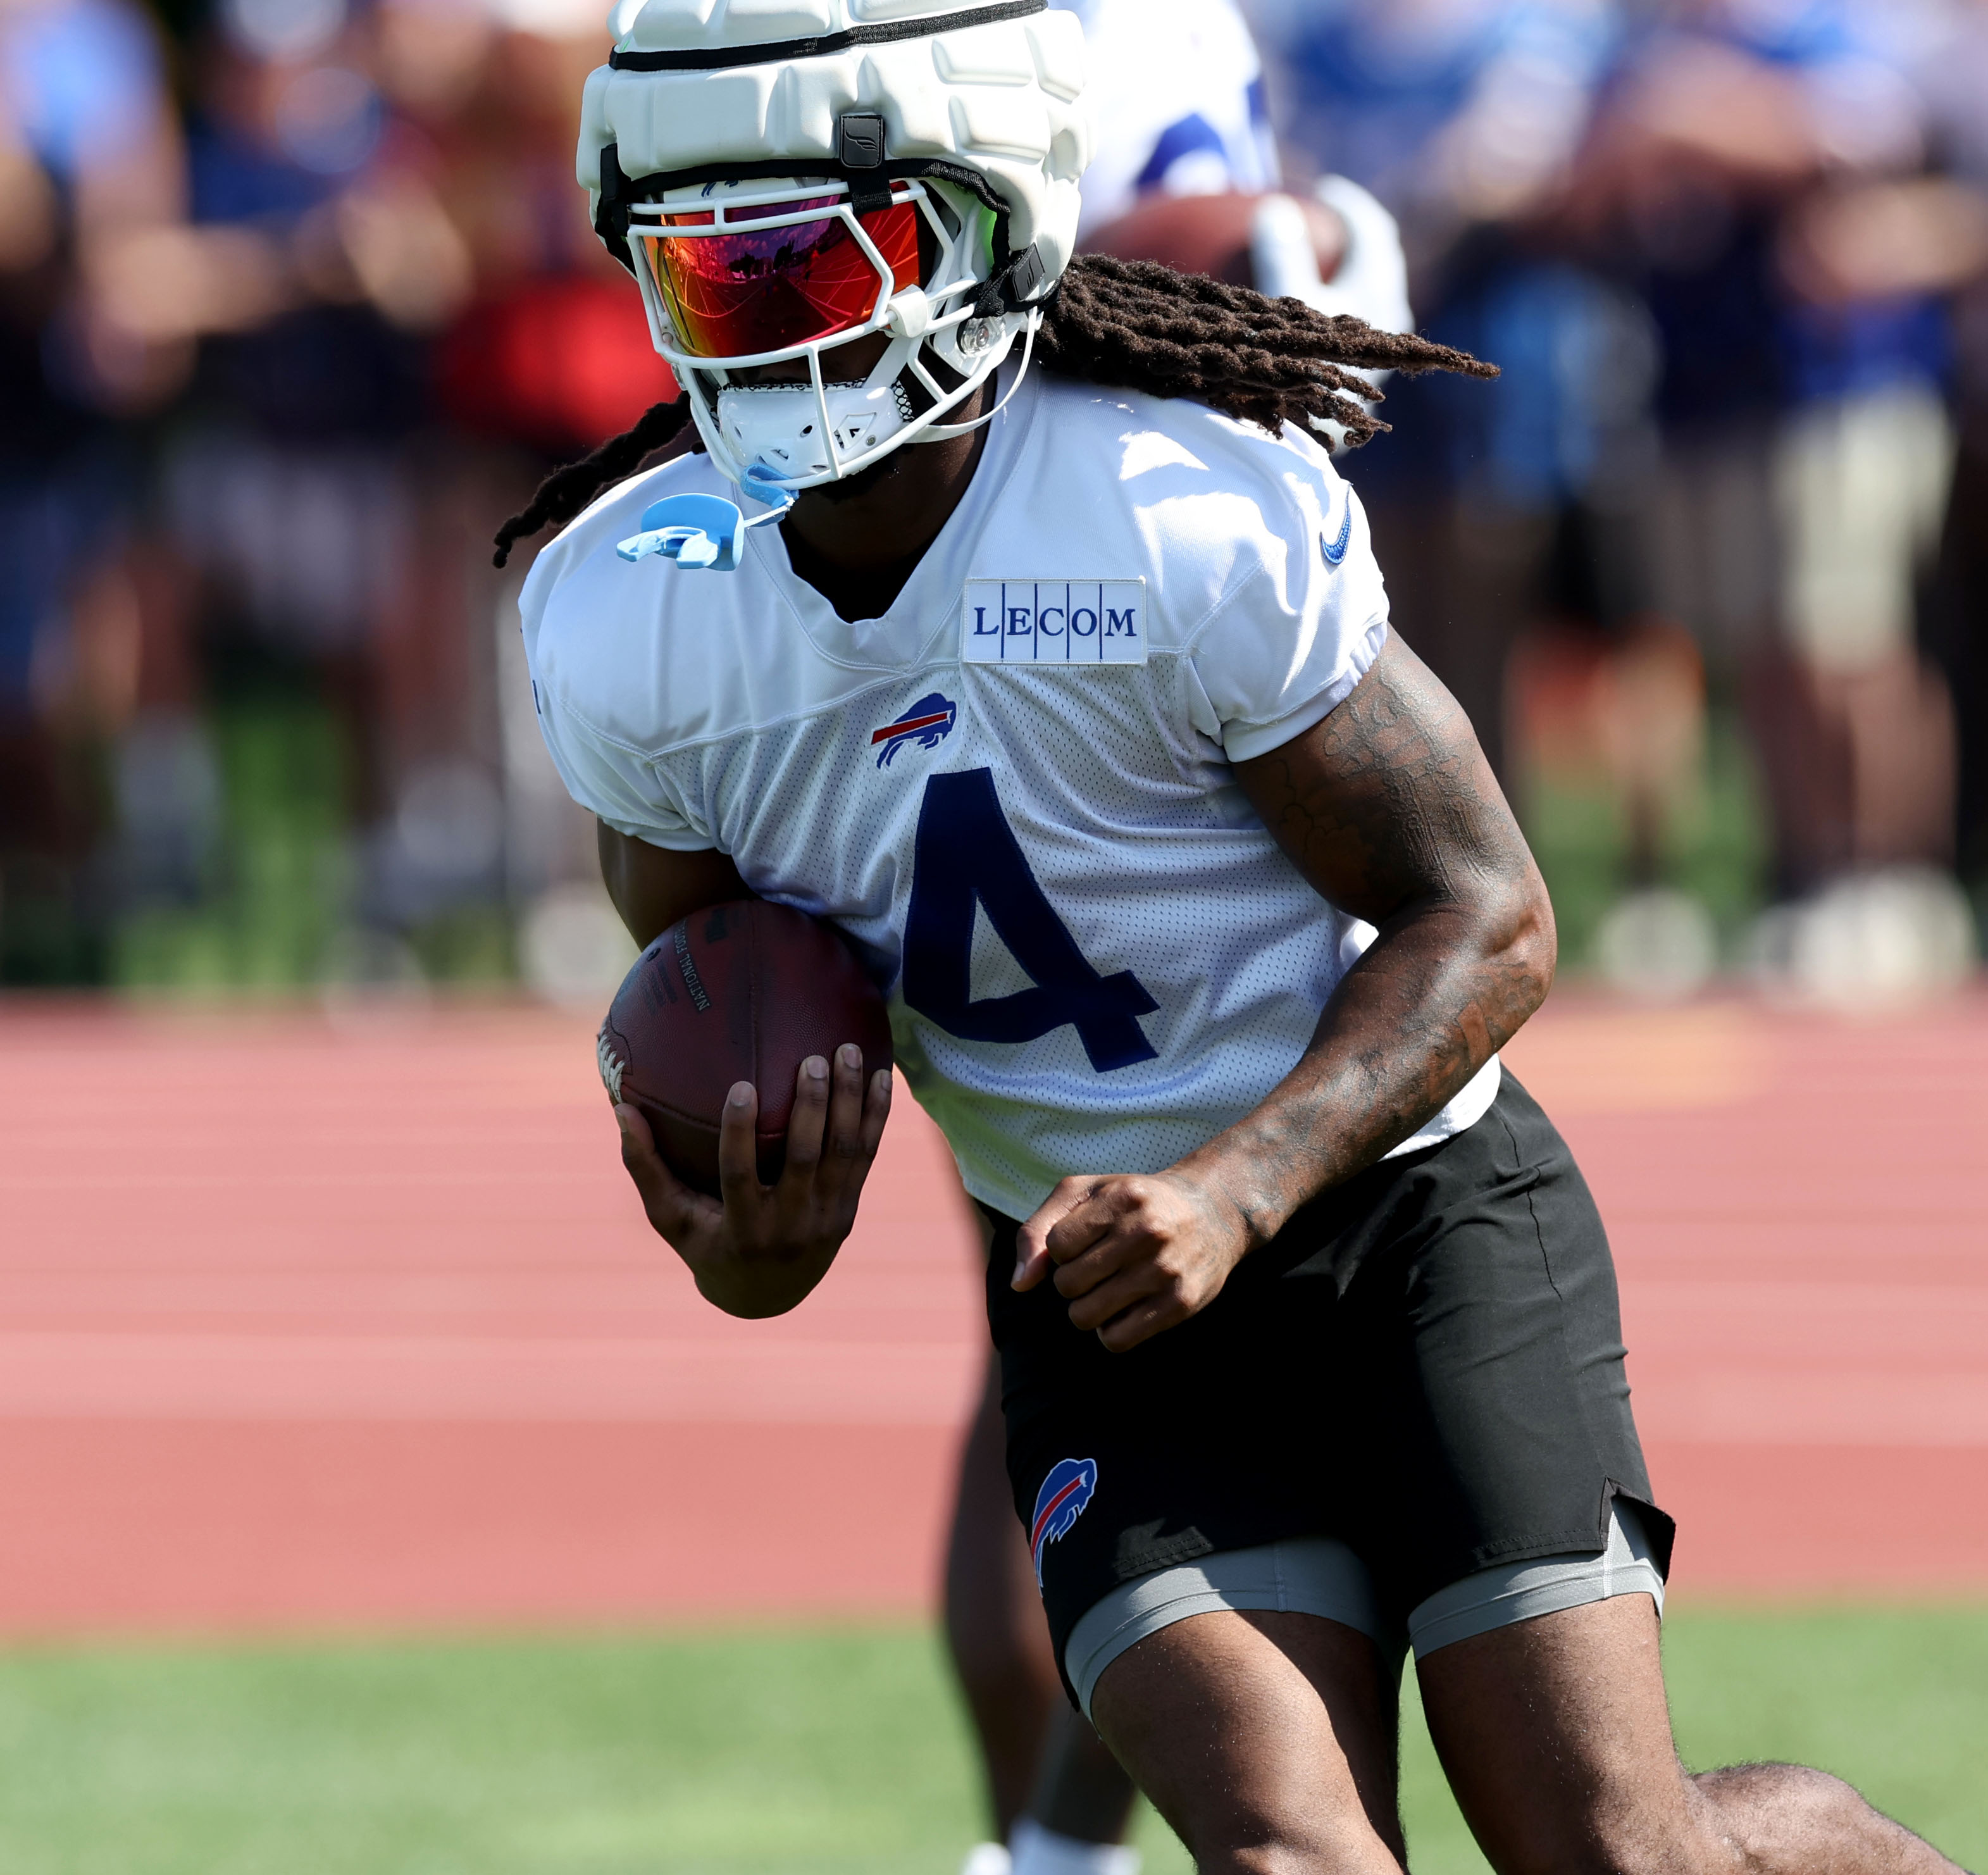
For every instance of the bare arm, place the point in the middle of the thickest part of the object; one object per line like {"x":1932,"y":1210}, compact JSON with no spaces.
{"x":755,"y":1250}
{"x":1391,"y":813}
{"x":652,"y":886}
{"x":1389,"y":810}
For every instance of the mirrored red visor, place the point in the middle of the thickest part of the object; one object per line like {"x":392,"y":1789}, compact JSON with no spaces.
{"x":744,"y":290}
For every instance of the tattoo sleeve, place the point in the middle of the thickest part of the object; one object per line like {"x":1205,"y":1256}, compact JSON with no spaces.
{"x":1391,"y":812}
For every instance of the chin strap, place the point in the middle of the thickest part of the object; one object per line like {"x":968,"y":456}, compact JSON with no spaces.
{"x":939,"y":432}
{"x":706,"y":532}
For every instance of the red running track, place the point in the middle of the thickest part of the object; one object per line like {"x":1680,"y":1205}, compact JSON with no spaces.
{"x":306,"y":1324}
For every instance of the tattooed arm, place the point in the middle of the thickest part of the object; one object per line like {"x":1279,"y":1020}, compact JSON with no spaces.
{"x":1389,"y":810}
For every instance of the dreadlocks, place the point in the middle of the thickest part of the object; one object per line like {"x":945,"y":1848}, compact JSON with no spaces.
{"x":1135,"y":325}
{"x":566,"y":491}
{"x":1128,"y":325}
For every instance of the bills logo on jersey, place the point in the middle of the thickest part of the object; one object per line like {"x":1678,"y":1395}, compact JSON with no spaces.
{"x":1053,"y":624}
{"x":1071,"y":1484}
{"x":928,"y":722}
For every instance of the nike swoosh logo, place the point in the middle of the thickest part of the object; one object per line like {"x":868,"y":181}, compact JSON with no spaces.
{"x":1335,"y":551}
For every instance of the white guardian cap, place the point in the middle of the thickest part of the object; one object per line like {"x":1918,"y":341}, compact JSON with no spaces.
{"x":784,"y":178}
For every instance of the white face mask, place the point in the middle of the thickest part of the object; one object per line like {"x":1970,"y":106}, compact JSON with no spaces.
{"x":798,"y":433}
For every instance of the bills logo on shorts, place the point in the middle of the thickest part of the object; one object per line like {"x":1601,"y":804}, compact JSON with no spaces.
{"x":929,"y":722}
{"x":1071,"y":1485}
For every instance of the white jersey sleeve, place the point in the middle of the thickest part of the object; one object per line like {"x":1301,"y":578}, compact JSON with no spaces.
{"x":604,"y":769}
{"x":1296,"y":637}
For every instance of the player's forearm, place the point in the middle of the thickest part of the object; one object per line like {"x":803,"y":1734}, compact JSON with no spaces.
{"x":1439,"y":992}
{"x":1388,"y":808}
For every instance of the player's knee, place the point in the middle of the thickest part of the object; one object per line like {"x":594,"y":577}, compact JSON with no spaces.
{"x":1776,"y":1816}
{"x":1791,"y":1788}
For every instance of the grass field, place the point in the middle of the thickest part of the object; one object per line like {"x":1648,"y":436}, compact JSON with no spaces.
{"x":794,"y":1752}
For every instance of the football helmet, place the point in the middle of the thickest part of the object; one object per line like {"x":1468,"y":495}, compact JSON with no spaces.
{"x":787,"y":178}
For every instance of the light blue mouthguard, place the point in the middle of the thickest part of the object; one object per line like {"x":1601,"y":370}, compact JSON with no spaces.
{"x":706,"y":532}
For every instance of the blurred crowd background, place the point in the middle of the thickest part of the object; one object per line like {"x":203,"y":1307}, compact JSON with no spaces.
{"x":298,"y":299}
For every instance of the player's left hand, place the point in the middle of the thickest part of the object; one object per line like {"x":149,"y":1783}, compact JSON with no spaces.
{"x":1134,"y":1254}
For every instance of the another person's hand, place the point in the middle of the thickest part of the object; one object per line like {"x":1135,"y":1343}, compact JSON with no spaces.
{"x":1135,"y":1254}
{"x":1884,"y":240}
{"x":758,"y":1250}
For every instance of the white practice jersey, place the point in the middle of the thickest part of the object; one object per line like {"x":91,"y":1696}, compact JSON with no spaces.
{"x":1177,"y":89}
{"x":1012,"y":791}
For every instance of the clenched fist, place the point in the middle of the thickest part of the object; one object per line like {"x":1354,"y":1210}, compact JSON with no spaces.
{"x":1133,"y":1253}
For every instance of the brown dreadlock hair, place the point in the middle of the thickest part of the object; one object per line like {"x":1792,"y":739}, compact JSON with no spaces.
{"x":1127,"y":325}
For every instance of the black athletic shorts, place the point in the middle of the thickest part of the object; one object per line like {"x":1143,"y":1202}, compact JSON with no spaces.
{"x":1426,"y":1363}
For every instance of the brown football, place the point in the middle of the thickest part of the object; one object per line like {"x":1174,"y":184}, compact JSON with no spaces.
{"x":746,"y":991}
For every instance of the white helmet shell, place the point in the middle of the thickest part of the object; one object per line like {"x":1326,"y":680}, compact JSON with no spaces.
{"x":700,"y":84}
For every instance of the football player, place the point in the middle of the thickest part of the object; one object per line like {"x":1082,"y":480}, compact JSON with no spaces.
{"x":1202,"y":918}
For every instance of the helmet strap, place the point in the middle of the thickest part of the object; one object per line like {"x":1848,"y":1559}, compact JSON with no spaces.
{"x":941,"y":432}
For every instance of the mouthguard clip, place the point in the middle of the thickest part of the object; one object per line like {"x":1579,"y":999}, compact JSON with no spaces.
{"x":706,"y":532}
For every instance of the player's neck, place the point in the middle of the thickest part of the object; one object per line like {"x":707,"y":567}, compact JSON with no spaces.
{"x":856,"y":542}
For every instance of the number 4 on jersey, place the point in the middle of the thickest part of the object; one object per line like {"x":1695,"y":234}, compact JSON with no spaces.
{"x":968,"y":854}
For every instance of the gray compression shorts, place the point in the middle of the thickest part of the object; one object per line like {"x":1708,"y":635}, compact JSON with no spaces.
{"x":1319,"y":1575}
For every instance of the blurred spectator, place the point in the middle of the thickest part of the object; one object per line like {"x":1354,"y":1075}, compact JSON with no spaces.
{"x":89,"y":162}
{"x":1455,"y":113}
{"x":551,"y":355}
{"x":1751,"y":162}
{"x":1698,"y":236}
{"x":314,"y":258}
{"x":554,"y":353}
{"x":386,"y":272}
{"x":1463,"y":116}
{"x":1951,"y":229}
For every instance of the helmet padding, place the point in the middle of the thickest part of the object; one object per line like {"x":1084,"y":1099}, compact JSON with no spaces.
{"x":697,"y":86}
